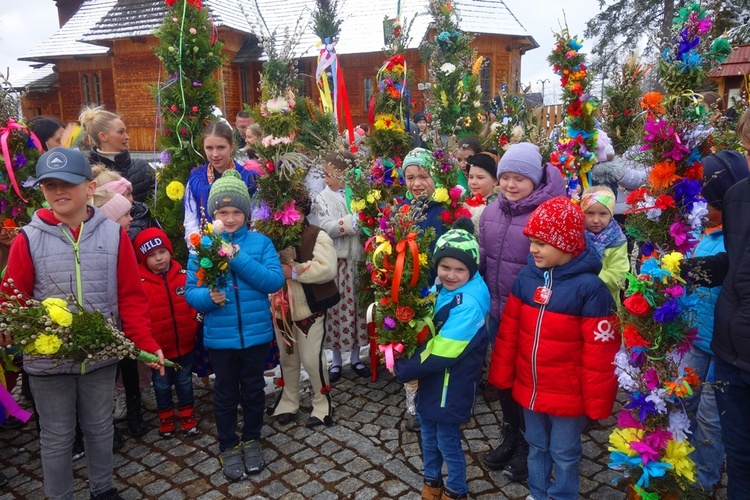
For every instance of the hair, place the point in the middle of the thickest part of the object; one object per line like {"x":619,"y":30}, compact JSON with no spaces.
{"x":743,"y":127}
{"x":365,"y":127}
{"x":44,"y":127}
{"x":255,"y":129}
{"x":470,"y":142}
{"x":96,"y":119}
{"x":219,"y":129}
{"x":102,"y":196}
{"x":340,"y":160}
{"x":713,"y":100}
{"x":243,"y":114}
{"x":597,"y":189}
{"x":103,"y":175}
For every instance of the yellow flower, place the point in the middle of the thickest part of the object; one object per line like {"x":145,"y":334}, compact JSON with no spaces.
{"x":358,"y":205}
{"x":676,"y":455}
{"x":620,"y":440}
{"x":441,"y":195}
{"x":443,"y":98}
{"x":375,"y":193}
{"x":423,"y":259}
{"x":223,"y":265}
{"x":370,"y":198}
{"x":175,"y":190}
{"x":58,"y":311}
{"x":477,"y":66}
{"x":671,"y":262}
{"x":47,"y":344}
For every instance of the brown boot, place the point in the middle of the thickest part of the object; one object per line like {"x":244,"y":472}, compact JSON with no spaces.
{"x":432,"y":492}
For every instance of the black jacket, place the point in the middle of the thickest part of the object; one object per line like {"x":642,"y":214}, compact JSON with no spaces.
{"x":138,"y":172}
{"x":142,"y":219}
{"x":731,"y":341}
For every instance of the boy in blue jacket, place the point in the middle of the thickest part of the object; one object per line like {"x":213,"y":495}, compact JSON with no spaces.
{"x":238,"y":333}
{"x":449,"y":365}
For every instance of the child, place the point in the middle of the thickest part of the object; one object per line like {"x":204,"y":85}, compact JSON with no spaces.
{"x":555,"y":346}
{"x":72,"y":244}
{"x":114,"y":205}
{"x":524,"y":184}
{"x":605,"y":235}
{"x":237,"y":328}
{"x":345,"y":324}
{"x":445,"y":402}
{"x":468,"y":145}
{"x":174,"y":325}
{"x":142,"y":219}
{"x":218,"y":146}
{"x":311,"y":291}
{"x":481,"y":169}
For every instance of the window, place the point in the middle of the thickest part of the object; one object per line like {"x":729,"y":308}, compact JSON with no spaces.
{"x":304,"y":81}
{"x":367,"y":93}
{"x":91,"y":89}
{"x":485,"y":79}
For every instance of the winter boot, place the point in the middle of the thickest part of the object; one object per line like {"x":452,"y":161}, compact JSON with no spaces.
{"x":449,"y":495}
{"x":118,"y":440}
{"x":497,"y":458}
{"x":166,"y":423}
{"x":517,"y":468}
{"x":187,"y":420}
{"x":432,"y":489}
{"x":136,"y":427}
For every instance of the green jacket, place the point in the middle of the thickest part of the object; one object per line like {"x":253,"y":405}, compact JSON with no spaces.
{"x":615,"y":264}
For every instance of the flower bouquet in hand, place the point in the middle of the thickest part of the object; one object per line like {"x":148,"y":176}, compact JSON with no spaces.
{"x":214,"y":254}
{"x":61,"y":329}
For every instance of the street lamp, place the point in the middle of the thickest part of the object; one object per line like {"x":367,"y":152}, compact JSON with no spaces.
{"x":546,"y":80}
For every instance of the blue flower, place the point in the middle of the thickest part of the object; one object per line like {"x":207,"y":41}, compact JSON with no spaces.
{"x":651,"y":267}
{"x":689,"y":301}
{"x":575,"y":44}
{"x":638,"y":402}
{"x":695,"y":156}
{"x":19,"y":160}
{"x":668,"y":311}
{"x":691,"y":60}
{"x":686,"y":43}
{"x":206,"y":242}
{"x":425,"y":291}
{"x":444,"y":36}
{"x":686,"y":192}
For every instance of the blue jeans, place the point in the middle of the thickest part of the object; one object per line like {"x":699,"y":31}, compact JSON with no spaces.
{"x":553,"y":440}
{"x":57,"y":398}
{"x":733,"y":400}
{"x":704,"y":421}
{"x":441,"y":442}
{"x":182,"y":380}
{"x":239,"y":380}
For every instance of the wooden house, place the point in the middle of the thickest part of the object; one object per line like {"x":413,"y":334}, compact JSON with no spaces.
{"x":733,"y":76}
{"x":103,"y":54}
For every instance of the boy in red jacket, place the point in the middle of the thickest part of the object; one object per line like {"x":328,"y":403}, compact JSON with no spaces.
{"x":555,"y":346}
{"x":174,"y":326}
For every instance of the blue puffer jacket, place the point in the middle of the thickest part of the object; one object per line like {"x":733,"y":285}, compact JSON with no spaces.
{"x":448,"y":366}
{"x":245,"y":319}
{"x":710,"y":244}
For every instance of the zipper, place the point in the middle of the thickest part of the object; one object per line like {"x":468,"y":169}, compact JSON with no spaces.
{"x":537,"y":334}
{"x":76,"y":248}
{"x":446,"y":380}
{"x":237,"y":300}
{"x":174,"y":319}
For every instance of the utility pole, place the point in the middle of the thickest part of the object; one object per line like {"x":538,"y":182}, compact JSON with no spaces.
{"x":546,"y":80}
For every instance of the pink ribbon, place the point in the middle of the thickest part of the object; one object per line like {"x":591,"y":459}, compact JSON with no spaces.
{"x":387,"y":350}
{"x":11,"y":406}
{"x":4,"y":133}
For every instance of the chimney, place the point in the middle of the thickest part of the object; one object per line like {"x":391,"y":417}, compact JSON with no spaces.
{"x":66,"y":9}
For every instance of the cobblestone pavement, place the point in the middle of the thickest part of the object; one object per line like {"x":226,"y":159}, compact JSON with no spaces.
{"x":367,"y":454}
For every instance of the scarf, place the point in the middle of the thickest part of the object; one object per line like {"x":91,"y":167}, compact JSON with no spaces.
{"x":610,"y":236}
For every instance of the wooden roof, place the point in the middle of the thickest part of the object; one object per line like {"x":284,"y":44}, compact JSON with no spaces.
{"x":737,"y":64}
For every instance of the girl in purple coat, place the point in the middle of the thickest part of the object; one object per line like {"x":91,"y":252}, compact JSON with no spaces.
{"x":525,"y":183}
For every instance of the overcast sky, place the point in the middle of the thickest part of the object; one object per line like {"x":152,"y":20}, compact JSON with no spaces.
{"x":25,"y":24}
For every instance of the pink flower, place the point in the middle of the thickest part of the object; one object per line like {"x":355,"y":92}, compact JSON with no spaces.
{"x":456,"y":192}
{"x":675,"y":291}
{"x":193,"y":31}
{"x":651,"y":378}
{"x":289,"y":215}
{"x":626,"y":419}
{"x":684,"y":240}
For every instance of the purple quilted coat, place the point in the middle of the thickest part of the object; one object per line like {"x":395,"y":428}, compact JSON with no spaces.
{"x":503,"y":248}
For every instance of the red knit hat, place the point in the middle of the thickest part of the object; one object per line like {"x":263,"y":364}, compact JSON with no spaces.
{"x":149,"y":240}
{"x":560,"y":223}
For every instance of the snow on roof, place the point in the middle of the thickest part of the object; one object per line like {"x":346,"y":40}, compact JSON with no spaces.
{"x":738,"y":63}
{"x":66,"y":42}
{"x":41,"y":78}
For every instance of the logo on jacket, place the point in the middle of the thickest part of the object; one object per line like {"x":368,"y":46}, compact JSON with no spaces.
{"x":604,"y":331}
{"x":180,"y":291}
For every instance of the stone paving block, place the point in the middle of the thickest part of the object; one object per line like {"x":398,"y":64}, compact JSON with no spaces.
{"x":275,"y":489}
{"x":280,"y":466}
{"x":241,"y":489}
{"x":196,"y":458}
{"x":333,"y":476}
{"x":357,"y":465}
{"x":156,"y":487}
{"x":372,"y":476}
{"x":367,"y":494}
{"x":304,"y":455}
{"x":404,"y":473}
{"x":319,"y":466}
{"x":196,"y":488}
{"x":606,"y":493}
{"x":316,"y":440}
{"x":172,"y":495}
{"x":183,"y":477}
{"x":167,"y":468}
{"x":297,"y":477}
{"x":292,"y":496}
{"x":349,"y":486}
{"x":394,"y":488}
{"x":311,"y":488}
{"x":588,"y":467}
{"x":479,"y":486}
{"x":128,"y":470}
{"x":211,"y":495}
{"x":387,"y":421}
{"x":181,"y":450}
{"x":326,"y":495}
{"x":364,"y":416}
{"x":152,"y":459}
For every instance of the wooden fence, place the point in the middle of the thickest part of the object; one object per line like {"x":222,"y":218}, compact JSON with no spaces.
{"x":547,"y":117}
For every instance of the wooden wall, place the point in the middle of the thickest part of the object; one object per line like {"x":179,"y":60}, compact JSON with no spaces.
{"x":41,"y":103}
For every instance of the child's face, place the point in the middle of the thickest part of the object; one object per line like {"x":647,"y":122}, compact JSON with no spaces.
{"x":515,"y":187}
{"x":218,"y":151}
{"x":422,"y":125}
{"x":158,"y":260}
{"x":419,"y":182}
{"x":546,"y":256}
{"x":452,"y":272}
{"x":67,"y":200}
{"x":232,"y":217}
{"x":124,"y":221}
{"x":597,"y":218}
{"x":481,"y":182}
{"x":333,"y":177}
{"x":129,"y":195}
{"x":462,"y":153}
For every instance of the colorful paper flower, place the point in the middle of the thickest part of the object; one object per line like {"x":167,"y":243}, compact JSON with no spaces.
{"x":58,"y":311}
{"x":47,"y":344}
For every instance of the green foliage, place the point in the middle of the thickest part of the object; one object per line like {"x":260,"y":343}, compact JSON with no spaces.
{"x":316,"y":130}
{"x":190,"y":56}
{"x":622,"y":106}
{"x":455,"y":98}
{"x":326,"y":24}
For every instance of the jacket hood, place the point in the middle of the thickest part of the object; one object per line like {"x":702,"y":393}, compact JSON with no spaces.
{"x":551,"y":185}
{"x":587,"y":261}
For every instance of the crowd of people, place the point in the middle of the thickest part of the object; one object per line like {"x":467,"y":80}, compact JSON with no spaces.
{"x":527,"y":291}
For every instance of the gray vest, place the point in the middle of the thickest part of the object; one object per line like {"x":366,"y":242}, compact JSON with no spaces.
{"x":55,"y":275}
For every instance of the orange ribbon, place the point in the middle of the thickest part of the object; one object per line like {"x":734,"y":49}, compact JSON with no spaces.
{"x":401,"y":249}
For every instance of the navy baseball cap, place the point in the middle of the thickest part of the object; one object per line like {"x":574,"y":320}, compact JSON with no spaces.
{"x":66,"y":164}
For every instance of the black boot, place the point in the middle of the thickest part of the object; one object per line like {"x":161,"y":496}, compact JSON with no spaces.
{"x":497,"y":458}
{"x":118,"y":441}
{"x":517,"y":469}
{"x":136,"y":427}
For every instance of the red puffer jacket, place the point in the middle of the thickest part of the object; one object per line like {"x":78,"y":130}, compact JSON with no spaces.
{"x":558,"y":357}
{"x":173,"y":321}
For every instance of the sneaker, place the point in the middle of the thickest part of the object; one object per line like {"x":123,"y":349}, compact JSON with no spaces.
{"x":78,"y":451}
{"x":121,"y":407}
{"x":251,"y":451}
{"x":231,"y":462}
{"x":148,"y":399}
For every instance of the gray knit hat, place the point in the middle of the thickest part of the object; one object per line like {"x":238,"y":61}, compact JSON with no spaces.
{"x":229,"y":191}
{"x":522,"y":158}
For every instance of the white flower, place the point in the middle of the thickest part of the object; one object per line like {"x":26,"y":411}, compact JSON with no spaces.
{"x":477,"y":104}
{"x":657,"y":397}
{"x":448,"y":68}
{"x":697,"y":214}
{"x":626,"y":373}
{"x":494,"y":127}
{"x":506,"y":120}
{"x":278,"y":105}
{"x":679,"y":425}
{"x":648,"y":202}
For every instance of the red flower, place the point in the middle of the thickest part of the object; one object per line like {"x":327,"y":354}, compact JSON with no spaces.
{"x":695,"y":172}
{"x":447,"y":217}
{"x":170,"y":3}
{"x":664,"y":202}
{"x":503,"y":140}
{"x":476,"y":200}
{"x":423,"y":335}
{"x":636,"y":304}
{"x":633,"y":338}
{"x":404,"y":313}
{"x":379,"y":278}
{"x":174,"y":108}
{"x":636,"y":196}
